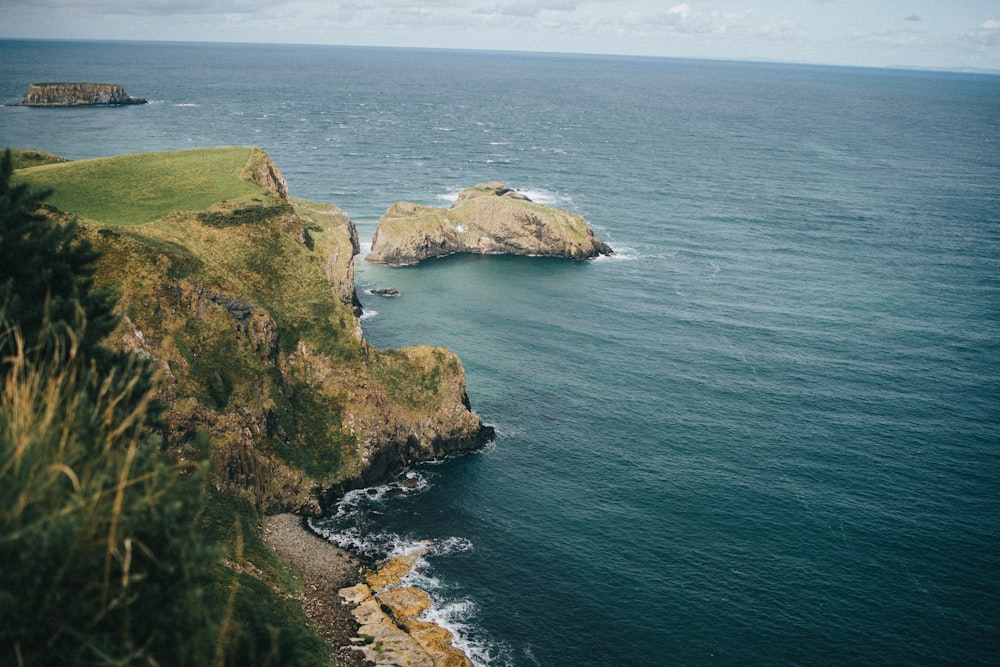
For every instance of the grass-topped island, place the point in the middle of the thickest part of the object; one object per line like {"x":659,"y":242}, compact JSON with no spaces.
{"x":238,"y":301}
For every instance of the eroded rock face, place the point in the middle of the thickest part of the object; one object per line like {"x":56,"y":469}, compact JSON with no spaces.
{"x":77,"y":94}
{"x":489,"y":218}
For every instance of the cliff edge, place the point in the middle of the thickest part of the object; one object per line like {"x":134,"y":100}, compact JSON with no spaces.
{"x":489,"y":218}
{"x":77,"y":94}
{"x":247,"y":308}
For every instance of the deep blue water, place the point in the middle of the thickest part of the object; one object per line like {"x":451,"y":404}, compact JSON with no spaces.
{"x":766,"y":432}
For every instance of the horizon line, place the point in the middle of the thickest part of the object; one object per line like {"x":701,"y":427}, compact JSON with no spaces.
{"x":761,"y":61}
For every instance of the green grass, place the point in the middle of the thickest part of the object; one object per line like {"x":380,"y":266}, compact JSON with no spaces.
{"x":28,"y":158}
{"x":137,"y":188}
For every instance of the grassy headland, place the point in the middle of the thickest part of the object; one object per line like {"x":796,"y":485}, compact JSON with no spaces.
{"x":242,"y":298}
{"x":134,"y":189}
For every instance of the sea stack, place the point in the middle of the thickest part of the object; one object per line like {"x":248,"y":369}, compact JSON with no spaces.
{"x":488,"y":219}
{"x":77,"y":94}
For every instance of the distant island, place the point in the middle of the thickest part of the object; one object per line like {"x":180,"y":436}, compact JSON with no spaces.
{"x":487,"y":219}
{"x":77,"y":94}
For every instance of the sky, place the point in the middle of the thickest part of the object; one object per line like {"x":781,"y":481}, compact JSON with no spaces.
{"x":951,"y":34}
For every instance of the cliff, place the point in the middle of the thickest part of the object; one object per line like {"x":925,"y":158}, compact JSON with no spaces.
{"x":247,"y":308}
{"x":77,"y":94}
{"x":489,"y":218}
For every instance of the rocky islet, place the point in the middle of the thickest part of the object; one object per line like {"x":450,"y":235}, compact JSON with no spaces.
{"x":77,"y":94}
{"x":487,"y":219}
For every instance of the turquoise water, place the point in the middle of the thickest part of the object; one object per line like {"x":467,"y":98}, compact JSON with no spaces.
{"x":765,"y":432}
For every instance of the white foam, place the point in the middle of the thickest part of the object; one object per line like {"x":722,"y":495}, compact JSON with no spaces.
{"x":622,"y":254}
{"x":187,"y":104}
{"x":367,"y":314}
{"x":547,"y":197}
{"x":451,"y":612}
{"x":454,"y":616}
{"x":452,"y":545}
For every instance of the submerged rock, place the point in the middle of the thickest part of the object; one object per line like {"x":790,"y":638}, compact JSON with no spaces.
{"x":489,"y":218}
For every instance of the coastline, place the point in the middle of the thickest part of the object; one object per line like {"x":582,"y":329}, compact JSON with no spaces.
{"x":366,"y":615}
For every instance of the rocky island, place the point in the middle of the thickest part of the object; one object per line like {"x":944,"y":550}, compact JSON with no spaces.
{"x":77,"y":94}
{"x":489,"y":218}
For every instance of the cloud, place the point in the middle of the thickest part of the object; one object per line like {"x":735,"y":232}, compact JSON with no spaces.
{"x":683,"y":19}
{"x":988,"y":33}
{"x":527,"y":8}
{"x":150,"y":7}
{"x":913,"y":17}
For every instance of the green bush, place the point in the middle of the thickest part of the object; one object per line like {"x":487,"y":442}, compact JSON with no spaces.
{"x":100,"y":559}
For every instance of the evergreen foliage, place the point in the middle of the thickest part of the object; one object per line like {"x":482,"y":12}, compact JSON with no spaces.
{"x":47,"y":278}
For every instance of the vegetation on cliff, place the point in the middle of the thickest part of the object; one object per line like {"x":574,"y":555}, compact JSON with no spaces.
{"x":112,"y":551}
{"x":244,"y":298}
{"x":200,"y":268}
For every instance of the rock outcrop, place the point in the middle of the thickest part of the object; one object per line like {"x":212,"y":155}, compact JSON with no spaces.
{"x":489,"y":218}
{"x":389,"y":613}
{"x":77,"y":94}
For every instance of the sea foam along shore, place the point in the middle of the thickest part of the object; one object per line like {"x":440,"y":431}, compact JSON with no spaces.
{"x":345,"y":602}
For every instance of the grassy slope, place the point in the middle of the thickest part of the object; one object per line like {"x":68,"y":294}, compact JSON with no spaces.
{"x":142,"y":187}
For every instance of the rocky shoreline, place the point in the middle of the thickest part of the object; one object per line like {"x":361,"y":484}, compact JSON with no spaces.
{"x":367,"y":616}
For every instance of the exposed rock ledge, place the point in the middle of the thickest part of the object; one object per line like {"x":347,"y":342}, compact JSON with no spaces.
{"x":77,"y":94}
{"x":489,"y":218}
{"x":390,"y":613}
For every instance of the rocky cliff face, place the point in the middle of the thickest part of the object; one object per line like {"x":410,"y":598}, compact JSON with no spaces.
{"x":77,"y":94}
{"x":247,"y":311}
{"x":489,"y":218}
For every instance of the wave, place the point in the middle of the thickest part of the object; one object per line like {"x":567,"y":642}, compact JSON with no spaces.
{"x":546,"y":197}
{"x":351,"y":528}
{"x":449,"y":197}
{"x":455,"y":616}
{"x":187,"y":104}
{"x":537,"y":195}
{"x":622,"y":254}
{"x":367,"y":314}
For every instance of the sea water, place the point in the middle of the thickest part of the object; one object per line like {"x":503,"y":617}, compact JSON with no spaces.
{"x":767,"y":431}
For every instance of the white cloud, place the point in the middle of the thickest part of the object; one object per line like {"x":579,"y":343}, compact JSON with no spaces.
{"x":683,"y":19}
{"x":987,"y":33}
{"x":149,"y":7}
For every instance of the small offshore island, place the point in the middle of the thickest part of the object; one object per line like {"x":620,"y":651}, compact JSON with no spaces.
{"x":77,"y":94}
{"x":487,"y":219}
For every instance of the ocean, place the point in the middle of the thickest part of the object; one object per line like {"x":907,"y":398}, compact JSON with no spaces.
{"x":767,"y":431}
